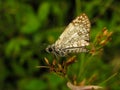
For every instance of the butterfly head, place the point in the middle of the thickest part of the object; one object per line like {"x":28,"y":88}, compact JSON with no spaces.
{"x":50,"y":49}
{"x":55,"y":51}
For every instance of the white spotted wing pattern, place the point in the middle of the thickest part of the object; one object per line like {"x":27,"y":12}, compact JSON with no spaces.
{"x":74,"y":39}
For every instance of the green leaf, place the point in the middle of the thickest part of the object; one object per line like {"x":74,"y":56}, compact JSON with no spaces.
{"x":43,"y":12}
{"x":13,"y":47}
{"x":31,"y":23}
{"x":33,"y":84}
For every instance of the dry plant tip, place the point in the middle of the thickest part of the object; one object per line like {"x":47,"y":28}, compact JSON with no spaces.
{"x":87,"y":87}
{"x":46,"y":61}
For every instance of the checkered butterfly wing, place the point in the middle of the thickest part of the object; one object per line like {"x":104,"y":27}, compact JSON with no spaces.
{"x":76,"y":35}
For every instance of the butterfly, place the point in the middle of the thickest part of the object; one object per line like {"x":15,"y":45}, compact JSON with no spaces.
{"x":74,"y":39}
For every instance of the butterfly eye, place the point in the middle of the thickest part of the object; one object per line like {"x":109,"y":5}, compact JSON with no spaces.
{"x":50,"y":49}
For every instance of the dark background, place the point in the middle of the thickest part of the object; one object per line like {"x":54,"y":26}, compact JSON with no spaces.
{"x":28,"y":26}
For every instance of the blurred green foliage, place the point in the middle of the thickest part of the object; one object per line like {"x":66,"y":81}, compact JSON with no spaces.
{"x":28,"y":26}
